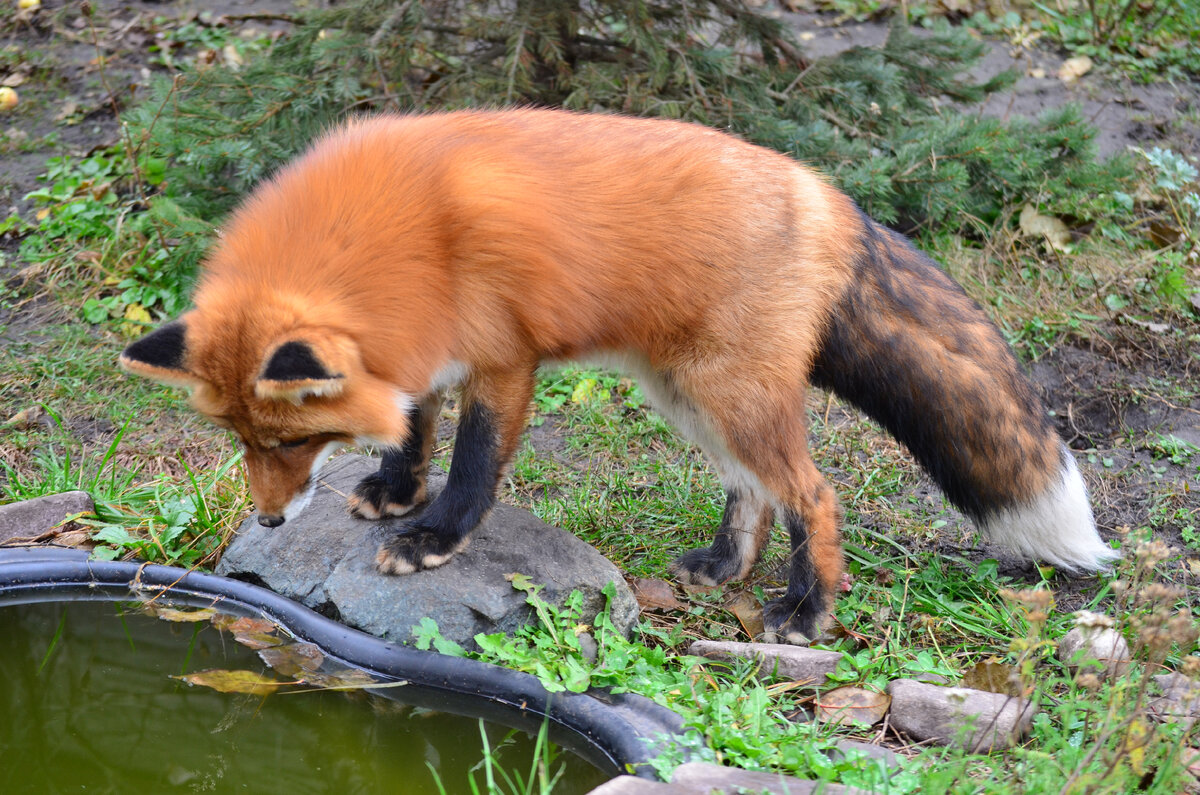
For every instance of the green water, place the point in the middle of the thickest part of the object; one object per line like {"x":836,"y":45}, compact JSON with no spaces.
{"x":87,"y":705}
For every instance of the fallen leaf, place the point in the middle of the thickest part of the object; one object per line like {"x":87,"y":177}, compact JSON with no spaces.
{"x":253,"y":633}
{"x":993,"y":676}
{"x":293,"y":659}
{"x":173,"y":614}
{"x":655,"y":595}
{"x":748,"y":612}
{"x":137,"y":320}
{"x":1074,"y":68}
{"x":346,"y":679}
{"x":13,"y":80}
{"x":1048,"y":228}
{"x":233,"y":681}
{"x":1037,"y":73}
{"x":26,"y":418}
{"x":853,"y":705}
{"x":1157,"y":328}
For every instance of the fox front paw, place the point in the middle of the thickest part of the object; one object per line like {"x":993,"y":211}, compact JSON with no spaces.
{"x":415,"y":550}
{"x":793,"y":621}
{"x":704,"y":566}
{"x":376,"y":498}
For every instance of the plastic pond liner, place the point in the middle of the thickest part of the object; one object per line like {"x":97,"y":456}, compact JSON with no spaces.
{"x":615,"y":733}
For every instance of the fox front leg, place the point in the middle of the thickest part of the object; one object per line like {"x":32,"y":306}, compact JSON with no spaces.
{"x":494,"y":409}
{"x":399,"y":485}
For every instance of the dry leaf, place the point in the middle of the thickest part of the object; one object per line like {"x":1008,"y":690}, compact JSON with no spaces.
{"x":853,"y":705}
{"x":993,"y":676}
{"x":296,"y":660}
{"x":1046,"y":227}
{"x":1157,"y":328}
{"x":172,"y":614}
{"x":655,"y":595}
{"x":1074,"y":68}
{"x":26,"y":418}
{"x":748,"y":612}
{"x":233,"y":681}
{"x":253,"y":633}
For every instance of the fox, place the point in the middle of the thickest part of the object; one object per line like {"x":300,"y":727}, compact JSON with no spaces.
{"x":402,"y":256}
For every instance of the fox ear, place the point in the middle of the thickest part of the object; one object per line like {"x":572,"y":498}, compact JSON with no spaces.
{"x":160,"y":356}
{"x":300,"y":368}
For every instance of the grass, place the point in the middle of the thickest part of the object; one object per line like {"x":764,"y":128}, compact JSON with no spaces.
{"x":99,"y":262}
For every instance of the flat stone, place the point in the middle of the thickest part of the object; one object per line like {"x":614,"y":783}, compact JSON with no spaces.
{"x":707,"y":778}
{"x":973,"y":719}
{"x":1094,"y":646}
{"x":32,"y":518}
{"x":794,"y":663}
{"x":325,"y":559}
{"x":631,"y":785}
{"x":885,"y":756}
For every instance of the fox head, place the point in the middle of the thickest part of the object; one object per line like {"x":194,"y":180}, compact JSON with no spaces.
{"x":292,"y":399}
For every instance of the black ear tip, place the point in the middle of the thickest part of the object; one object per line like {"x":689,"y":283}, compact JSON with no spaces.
{"x":164,"y":347}
{"x":295,"y":361}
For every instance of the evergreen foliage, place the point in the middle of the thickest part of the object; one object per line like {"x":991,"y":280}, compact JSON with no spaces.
{"x":887,"y":123}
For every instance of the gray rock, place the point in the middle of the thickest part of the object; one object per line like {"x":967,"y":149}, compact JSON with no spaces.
{"x":631,"y":785}
{"x":32,"y":518}
{"x":797,"y":663}
{"x":971,"y":719}
{"x":707,"y":778}
{"x":1180,"y":701}
{"x":1094,"y":646}
{"x":325,"y":559}
{"x":885,"y":756}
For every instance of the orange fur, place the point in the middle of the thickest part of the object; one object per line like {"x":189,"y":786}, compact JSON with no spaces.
{"x":401,"y":248}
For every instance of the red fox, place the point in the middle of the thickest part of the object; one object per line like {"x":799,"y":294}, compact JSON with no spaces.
{"x":402,"y":255}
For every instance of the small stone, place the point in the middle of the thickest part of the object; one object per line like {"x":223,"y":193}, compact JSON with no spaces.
{"x":1094,"y":646}
{"x":848,"y":748}
{"x":971,"y":719}
{"x":707,"y":778}
{"x":1180,"y":701}
{"x":32,"y":518}
{"x":784,"y":661}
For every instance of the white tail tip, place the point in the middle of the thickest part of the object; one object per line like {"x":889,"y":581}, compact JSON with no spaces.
{"x":1055,"y":526}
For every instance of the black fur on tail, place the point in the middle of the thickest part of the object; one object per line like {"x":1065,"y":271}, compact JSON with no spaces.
{"x":907,"y":346}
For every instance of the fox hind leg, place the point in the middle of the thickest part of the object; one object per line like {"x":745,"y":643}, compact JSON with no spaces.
{"x":744,"y":531}
{"x":399,"y":485}
{"x":757,"y":438}
{"x":493,"y":414}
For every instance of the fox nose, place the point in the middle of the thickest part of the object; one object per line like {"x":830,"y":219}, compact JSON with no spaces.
{"x":266,"y":520}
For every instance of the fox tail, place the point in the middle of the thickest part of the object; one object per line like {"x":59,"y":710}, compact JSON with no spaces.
{"x":908,"y":347}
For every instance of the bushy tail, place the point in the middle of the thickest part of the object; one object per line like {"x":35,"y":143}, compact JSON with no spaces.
{"x":912,"y":350}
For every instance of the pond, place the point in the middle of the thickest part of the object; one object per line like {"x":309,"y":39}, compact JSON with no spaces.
{"x":92,"y":700}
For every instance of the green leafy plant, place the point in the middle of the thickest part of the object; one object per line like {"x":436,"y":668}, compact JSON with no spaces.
{"x":872,"y":117}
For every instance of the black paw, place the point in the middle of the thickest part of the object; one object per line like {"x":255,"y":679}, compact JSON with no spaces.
{"x":375,"y":497}
{"x":416,"y":549}
{"x":704,"y":566}
{"x":794,"y":621}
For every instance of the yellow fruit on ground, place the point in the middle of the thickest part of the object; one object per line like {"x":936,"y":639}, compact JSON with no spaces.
{"x":27,"y":5}
{"x":8,"y":98}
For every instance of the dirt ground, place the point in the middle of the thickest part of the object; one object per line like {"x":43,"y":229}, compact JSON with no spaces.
{"x":1114,"y":399}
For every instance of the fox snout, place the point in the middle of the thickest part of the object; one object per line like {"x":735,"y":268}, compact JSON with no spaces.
{"x":283,"y":478}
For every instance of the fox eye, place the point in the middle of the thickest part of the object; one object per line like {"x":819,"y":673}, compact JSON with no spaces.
{"x":295,"y":442}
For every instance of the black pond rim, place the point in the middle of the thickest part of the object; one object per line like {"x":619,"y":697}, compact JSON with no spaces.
{"x":618,"y":733}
